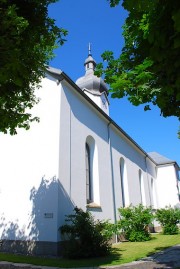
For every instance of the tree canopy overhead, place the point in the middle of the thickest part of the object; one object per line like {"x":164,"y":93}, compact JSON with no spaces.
{"x":27,"y":39}
{"x":148,"y":69}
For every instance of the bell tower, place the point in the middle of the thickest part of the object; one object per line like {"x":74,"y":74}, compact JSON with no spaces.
{"x":92,"y":85}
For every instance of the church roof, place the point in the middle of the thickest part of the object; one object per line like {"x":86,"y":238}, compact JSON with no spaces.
{"x":156,"y":158}
{"x":160,"y":159}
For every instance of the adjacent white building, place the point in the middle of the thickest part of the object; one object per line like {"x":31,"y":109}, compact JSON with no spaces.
{"x":76,"y":156}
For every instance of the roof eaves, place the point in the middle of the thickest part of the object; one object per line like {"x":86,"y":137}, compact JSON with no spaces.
{"x":54,"y":72}
{"x":169,"y":163}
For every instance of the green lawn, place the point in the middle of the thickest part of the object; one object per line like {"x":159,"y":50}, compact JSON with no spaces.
{"x":121,"y":253}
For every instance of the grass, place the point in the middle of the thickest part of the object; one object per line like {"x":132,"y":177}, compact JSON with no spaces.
{"x":121,"y":253}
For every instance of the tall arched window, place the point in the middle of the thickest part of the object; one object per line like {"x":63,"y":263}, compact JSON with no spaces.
{"x":142,"y":190}
{"x":88,"y":175}
{"x":124,"y":183}
{"x":92,"y":172}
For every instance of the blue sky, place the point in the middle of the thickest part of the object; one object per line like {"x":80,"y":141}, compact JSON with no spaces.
{"x":95,"y":22}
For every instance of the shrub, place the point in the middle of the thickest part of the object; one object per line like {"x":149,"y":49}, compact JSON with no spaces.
{"x":84,"y":236}
{"x":134,"y":221}
{"x":168,"y":218}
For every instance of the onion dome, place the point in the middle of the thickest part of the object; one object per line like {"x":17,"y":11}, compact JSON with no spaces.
{"x":89,"y":81}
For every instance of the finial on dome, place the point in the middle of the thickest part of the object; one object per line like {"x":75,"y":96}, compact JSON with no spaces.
{"x":89,"y":50}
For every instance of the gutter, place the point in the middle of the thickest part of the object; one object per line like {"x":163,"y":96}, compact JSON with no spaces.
{"x":112,"y":172}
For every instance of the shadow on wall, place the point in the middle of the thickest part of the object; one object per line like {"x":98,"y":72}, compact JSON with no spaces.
{"x":44,"y":205}
{"x":40,"y":235}
{"x":11,"y":230}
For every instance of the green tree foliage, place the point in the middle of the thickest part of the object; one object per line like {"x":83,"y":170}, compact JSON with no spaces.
{"x":27,"y":39}
{"x":134,"y":221}
{"x":147,"y":71}
{"x":169,"y":218}
{"x":84,"y":237}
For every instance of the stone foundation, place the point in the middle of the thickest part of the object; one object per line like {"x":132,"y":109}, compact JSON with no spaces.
{"x":41,"y":248}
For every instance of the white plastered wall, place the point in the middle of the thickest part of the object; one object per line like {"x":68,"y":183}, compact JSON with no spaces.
{"x":29,"y":173}
{"x":166,"y":184}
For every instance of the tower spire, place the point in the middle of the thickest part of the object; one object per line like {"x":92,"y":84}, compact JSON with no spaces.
{"x":89,"y":50}
{"x":90,"y":64}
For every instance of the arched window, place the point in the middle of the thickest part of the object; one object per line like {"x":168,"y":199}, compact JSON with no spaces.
{"x":124,"y":183}
{"x":88,"y":175}
{"x":92,"y":172}
{"x":142,"y":190}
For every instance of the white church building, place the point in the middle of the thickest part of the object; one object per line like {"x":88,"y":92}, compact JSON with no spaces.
{"x":76,"y":156}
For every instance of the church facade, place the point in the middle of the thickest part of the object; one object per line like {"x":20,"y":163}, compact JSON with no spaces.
{"x":76,"y":156}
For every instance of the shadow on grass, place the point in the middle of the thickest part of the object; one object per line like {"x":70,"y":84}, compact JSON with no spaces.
{"x":158,"y":249}
{"x":153,"y":238}
{"x":114,"y":256}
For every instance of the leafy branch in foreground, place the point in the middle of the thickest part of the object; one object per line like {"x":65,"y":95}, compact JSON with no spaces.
{"x":147,"y":71}
{"x":27,"y":40}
